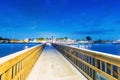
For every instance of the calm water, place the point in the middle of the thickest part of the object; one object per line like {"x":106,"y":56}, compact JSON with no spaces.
{"x":107,"y":48}
{"x":6,"y":49}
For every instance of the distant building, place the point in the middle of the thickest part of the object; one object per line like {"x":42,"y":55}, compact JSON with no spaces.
{"x":33,"y":40}
{"x":68,"y":41}
{"x":84,"y":42}
{"x":12,"y":41}
{"x":26,"y":40}
{"x":20,"y":41}
{"x":4,"y":41}
{"x":117,"y":41}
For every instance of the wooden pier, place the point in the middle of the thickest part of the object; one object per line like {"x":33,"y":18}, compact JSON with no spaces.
{"x":59,"y":62}
{"x":51,"y":65}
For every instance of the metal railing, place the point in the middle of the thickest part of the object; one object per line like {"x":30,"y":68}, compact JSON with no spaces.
{"x":17,"y":68}
{"x":94,"y":65}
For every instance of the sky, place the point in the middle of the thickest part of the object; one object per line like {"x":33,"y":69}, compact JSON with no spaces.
{"x":20,"y":19}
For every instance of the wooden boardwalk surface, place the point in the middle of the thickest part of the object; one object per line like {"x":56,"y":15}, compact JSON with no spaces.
{"x":51,"y":65}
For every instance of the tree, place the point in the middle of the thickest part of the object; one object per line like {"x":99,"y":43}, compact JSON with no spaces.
{"x":66,"y":38}
{"x":88,"y":38}
{"x":47,"y":38}
{"x":98,"y":41}
{"x":1,"y":38}
{"x":40,"y":39}
{"x":60,"y":38}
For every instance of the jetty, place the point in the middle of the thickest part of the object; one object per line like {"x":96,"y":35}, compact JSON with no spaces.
{"x":52,"y":61}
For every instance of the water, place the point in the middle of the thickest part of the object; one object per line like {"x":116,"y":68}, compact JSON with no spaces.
{"x":107,"y":48}
{"x":6,"y":49}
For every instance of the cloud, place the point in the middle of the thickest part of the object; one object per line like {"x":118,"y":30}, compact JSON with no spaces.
{"x":94,"y":32}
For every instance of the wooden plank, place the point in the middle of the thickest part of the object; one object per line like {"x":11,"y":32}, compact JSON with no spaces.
{"x":118,"y":73}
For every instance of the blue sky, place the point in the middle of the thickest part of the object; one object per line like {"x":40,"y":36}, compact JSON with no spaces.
{"x":21,"y":19}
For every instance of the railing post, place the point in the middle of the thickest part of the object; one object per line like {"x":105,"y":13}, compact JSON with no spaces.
{"x":96,"y":63}
{"x":118,"y":73}
{"x":105,"y":67}
{"x":94,"y":75}
{"x":101,"y":65}
{"x":111,"y":69}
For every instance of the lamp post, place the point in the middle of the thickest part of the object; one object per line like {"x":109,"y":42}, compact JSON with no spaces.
{"x":52,"y":39}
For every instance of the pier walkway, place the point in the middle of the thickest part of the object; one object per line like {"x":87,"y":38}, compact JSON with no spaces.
{"x":51,"y":65}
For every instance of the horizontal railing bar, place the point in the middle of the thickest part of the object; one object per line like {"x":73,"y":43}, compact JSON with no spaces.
{"x":109,"y":58}
{"x":17,"y":66}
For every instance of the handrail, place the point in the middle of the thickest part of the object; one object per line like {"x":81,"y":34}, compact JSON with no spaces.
{"x":94,"y":65}
{"x":18,"y":67}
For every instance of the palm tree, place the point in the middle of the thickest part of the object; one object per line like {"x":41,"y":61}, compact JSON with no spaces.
{"x":88,"y":38}
{"x":66,"y":38}
{"x":1,"y":38}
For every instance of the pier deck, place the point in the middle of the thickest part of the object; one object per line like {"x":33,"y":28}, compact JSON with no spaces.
{"x":51,"y":65}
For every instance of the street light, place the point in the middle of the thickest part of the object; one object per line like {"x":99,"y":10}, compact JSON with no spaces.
{"x":52,"y":39}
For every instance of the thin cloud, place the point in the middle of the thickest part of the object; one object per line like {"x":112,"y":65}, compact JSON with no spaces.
{"x":93,"y":32}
